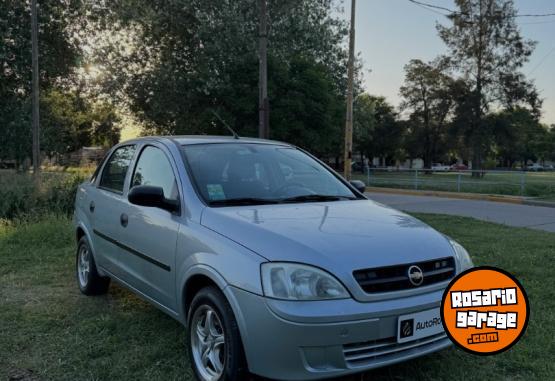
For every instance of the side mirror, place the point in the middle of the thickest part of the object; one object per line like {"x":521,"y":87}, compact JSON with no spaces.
{"x":359,"y":185}
{"x":147,"y":195}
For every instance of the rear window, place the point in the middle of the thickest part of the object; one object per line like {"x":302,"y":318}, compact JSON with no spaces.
{"x":97,"y":170}
{"x":115,"y":170}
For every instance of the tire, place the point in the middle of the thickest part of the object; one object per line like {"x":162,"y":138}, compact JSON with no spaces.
{"x":229,"y":355}
{"x":88,"y":280}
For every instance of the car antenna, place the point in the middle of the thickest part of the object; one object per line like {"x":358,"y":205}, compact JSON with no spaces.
{"x":235,"y":136}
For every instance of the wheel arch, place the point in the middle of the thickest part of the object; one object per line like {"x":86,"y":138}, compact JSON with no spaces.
{"x":79,"y":233}
{"x":198,"y":277}
{"x":82,"y":231}
{"x":201,"y":276}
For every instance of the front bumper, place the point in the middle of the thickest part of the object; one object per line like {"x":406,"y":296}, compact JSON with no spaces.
{"x":290,"y":340}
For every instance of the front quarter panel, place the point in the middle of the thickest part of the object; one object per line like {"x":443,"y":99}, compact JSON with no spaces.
{"x":201,"y":251}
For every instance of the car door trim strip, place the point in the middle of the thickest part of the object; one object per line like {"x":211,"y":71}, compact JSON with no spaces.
{"x":132,"y":251}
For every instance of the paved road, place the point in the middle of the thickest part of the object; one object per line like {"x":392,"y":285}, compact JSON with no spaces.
{"x":535,"y":217}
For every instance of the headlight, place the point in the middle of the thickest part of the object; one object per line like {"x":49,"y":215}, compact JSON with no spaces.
{"x":292,"y":281}
{"x":462,"y":255}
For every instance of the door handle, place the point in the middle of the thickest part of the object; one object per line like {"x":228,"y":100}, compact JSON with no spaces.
{"x":123,"y":219}
{"x":91,"y":206}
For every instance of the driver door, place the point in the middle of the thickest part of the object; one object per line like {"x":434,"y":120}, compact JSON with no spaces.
{"x":150,"y":237}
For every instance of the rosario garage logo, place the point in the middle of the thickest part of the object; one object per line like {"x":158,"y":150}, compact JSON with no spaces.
{"x":485,"y":310}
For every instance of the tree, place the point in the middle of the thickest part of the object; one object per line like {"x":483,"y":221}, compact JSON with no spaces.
{"x":486,"y":48}
{"x":377,"y":131}
{"x":307,"y":108}
{"x":519,"y":137}
{"x":71,"y":121}
{"x":186,"y":59}
{"x":57,"y":56}
{"x":428,"y":94}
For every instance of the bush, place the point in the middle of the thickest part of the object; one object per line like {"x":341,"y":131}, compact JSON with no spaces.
{"x":20,"y":197}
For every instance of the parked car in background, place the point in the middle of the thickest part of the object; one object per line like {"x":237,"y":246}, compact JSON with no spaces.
{"x":440,"y":167}
{"x":459,"y":167}
{"x":535,"y":167}
{"x":549,"y":167}
{"x":274,"y":263}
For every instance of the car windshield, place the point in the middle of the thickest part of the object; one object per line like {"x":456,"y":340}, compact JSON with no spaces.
{"x":250,"y":173}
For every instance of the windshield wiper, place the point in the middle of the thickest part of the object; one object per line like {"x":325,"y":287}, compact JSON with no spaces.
{"x":243,"y":201}
{"x":316,"y":197}
{"x":267,"y":201}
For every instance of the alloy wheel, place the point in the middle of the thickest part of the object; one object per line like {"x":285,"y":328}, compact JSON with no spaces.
{"x":208,"y":343}
{"x":83,"y":265}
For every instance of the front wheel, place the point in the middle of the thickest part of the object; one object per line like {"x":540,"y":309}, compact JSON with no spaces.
{"x":90,"y":283}
{"x":215,"y":347}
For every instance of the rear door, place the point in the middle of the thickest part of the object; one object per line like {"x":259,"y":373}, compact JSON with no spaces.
{"x":150,"y":237}
{"x":104,"y":204}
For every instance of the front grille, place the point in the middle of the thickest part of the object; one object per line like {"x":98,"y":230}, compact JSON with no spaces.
{"x":363,"y":354}
{"x":394,"y":278}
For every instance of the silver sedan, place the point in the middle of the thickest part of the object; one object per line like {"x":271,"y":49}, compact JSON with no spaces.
{"x":276,"y":265}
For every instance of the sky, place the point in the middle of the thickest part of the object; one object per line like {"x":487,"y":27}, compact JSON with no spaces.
{"x":389,"y":33}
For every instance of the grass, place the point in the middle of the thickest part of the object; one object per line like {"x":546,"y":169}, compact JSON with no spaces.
{"x":535,"y":184}
{"x":22,"y":197}
{"x":550,"y":198}
{"x":49,"y":331}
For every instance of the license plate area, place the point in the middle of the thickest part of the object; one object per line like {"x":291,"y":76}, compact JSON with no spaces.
{"x":419,"y":325}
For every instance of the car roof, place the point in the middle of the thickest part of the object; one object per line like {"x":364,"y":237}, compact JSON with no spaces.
{"x":204,"y":139}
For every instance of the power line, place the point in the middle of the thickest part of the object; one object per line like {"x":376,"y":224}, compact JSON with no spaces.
{"x":541,"y":61}
{"x":433,"y":6}
{"x":431,"y":9}
{"x":537,"y":15}
{"x":537,"y":22}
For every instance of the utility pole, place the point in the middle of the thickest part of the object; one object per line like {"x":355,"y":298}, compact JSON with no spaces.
{"x":35,"y":89}
{"x":263,"y":104}
{"x":348,"y":154}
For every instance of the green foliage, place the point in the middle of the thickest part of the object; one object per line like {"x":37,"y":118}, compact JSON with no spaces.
{"x":71,"y":122}
{"x":172,"y":63}
{"x":22,"y":198}
{"x":57,"y":56}
{"x":307,"y":108}
{"x":488,"y":52}
{"x":519,"y":137}
{"x":429,"y":94}
{"x":190,"y":57}
{"x":376,"y":129}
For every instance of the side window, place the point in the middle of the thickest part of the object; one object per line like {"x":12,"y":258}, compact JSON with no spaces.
{"x":153,"y":168}
{"x":113,"y":176}
{"x":97,"y":170}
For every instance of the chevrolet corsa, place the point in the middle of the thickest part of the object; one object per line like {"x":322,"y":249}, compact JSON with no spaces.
{"x":275,"y":264}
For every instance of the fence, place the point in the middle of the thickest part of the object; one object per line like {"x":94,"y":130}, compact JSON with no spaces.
{"x":522,"y":183}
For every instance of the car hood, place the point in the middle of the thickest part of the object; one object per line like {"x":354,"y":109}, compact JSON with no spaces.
{"x":339,"y":236}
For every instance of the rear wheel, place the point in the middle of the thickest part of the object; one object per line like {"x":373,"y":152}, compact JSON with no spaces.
{"x":88,"y":280}
{"x":215,"y":347}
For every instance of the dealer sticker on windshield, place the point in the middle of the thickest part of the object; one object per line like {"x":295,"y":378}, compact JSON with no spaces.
{"x":215,"y":192}
{"x":419,"y":325}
